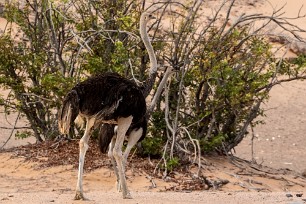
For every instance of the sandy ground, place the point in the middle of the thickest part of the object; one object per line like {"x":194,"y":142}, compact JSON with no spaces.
{"x":24,"y":182}
{"x":153,"y":198}
{"x":6,"y":122}
{"x":280,"y":143}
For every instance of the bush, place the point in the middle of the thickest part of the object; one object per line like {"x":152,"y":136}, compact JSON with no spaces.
{"x":223,"y":70}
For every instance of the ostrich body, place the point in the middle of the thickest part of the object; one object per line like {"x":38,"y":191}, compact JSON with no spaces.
{"x":114,"y":101}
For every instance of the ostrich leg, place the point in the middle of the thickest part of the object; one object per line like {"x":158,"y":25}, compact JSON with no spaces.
{"x":111,"y":156}
{"x":83,"y":148}
{"x":133,"y":139}
{"x":123,"y":126}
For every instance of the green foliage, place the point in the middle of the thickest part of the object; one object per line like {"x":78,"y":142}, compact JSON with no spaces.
{"x":23,"y":134}
{"x":211,"y":145}
{"x":95,"y":64}
{"x":49,"y":46}
{"x":30,"y":69}
{"x":172,"y":163}
{"x":232,"y":82}
{"x":219,"y":88}
{"x":152,"y":146}
{"x":158,"y":122}
{"x":223,"y":75}
{"x":119,"y":57}
{"x":56,"y":83}
{"x":300,"y":62}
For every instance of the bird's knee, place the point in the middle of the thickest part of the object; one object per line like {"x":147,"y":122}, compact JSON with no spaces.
{"x":117,"y":153}
{"x":83,"y":145}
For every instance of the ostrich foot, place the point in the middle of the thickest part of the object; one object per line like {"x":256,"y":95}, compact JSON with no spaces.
{"x":79,"y":196}
{"x":127,"y":196}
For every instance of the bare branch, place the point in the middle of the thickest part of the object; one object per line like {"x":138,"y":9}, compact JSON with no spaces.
{"x":13,"y":129}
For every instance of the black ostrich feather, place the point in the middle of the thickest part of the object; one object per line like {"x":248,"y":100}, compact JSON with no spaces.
{"x":105,"y":97}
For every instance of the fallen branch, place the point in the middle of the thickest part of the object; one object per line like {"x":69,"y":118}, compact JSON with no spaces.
{"x":11,"y":131}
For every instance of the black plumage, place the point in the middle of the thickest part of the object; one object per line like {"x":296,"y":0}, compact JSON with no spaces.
{"x":108,"y":96}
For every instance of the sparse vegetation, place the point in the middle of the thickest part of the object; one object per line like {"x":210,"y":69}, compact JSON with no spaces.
{"x":223,"y":70}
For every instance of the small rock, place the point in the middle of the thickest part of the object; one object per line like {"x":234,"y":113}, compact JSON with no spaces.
{"x":299,"y":194}
{"x":52,"y":201}
{"x":304,"y":173}
{"x":288,"y":195}
{"x":251,"y":4}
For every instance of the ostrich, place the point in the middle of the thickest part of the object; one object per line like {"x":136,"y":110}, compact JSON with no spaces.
{"x":114,"y":101}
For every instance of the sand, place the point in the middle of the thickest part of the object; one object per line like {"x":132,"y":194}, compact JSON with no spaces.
{"x":24,"y":182}
{"x":280,"y":143}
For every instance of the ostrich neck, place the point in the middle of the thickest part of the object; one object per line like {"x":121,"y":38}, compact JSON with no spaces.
{"x":146,"y":41}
